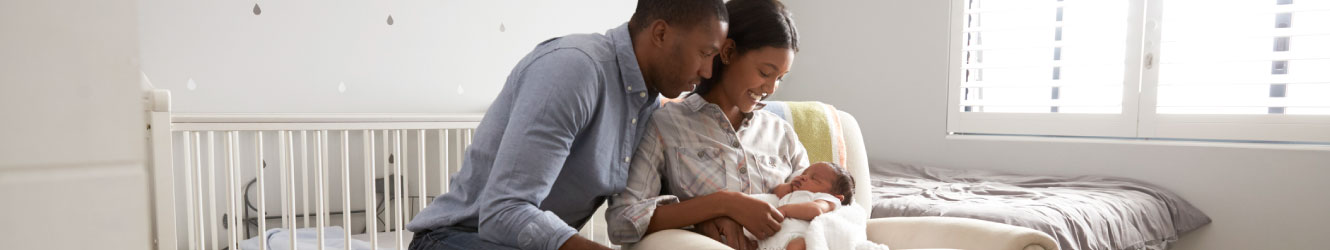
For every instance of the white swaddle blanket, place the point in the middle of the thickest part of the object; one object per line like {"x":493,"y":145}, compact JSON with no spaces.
{"x":842,"y":228}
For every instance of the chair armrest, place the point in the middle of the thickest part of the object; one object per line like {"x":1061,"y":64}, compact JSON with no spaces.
{"x":958,"y":233}
{"x":677,"y":239}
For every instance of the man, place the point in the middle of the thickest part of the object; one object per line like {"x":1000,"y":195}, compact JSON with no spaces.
{"x":556,"y":142}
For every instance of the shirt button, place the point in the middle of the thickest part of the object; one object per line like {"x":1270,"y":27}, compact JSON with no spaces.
{"x":630,"y":88}
{"x":743,"y":170}
{"x":627,"y":159}
{"x":643,"y":94}
{"x":701,"y":154}
{"x":634,"y":120}
{"x":736,"y":144}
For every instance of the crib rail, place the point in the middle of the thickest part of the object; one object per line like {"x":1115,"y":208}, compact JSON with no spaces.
{"x":213,"y":183}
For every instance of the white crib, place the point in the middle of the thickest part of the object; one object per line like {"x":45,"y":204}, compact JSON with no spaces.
{"x":371,"y":172}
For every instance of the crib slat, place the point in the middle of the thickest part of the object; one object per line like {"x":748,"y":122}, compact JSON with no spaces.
{"x":304,"y":175}
{"x":387,"y":173}
{"x":233,"y":231}
{"x":290,"y":169}
{"x":212,"y":192}
{"x":319,"y":153}
{"x":443,"y":161}
{"x":401,"y":145}
{"x":397,"y":187}
{"x":259,"y":164}
{"x":281,"y":179}
{"x":371,"y":212}
{"x":346,"y":188}
{"x":189,"y":187}
{"x":420,"y":170}
{"x":197,"y":189}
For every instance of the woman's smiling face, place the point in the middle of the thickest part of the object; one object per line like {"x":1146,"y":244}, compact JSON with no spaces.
{"x":752,"y":76}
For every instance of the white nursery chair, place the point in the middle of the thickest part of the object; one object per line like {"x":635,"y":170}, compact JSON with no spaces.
{"x":897,"y":233}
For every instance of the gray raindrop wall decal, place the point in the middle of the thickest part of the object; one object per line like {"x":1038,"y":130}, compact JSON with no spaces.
{"x":501,"y":28}
{"x":390,"y":19}
{"x":257,"y":10}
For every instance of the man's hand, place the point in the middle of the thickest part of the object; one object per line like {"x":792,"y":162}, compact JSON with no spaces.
{"x":755,"y":215}
{"x":725,"y":230}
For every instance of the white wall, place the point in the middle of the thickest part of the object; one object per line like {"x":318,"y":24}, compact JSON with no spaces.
{"x":72,"y":170}
{"x":437,"y":56}
{"x":886,"y":63}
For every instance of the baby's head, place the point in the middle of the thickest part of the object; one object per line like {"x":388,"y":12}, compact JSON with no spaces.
{"x":822,"y":177}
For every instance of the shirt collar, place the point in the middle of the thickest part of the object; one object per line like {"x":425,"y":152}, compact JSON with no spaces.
{"x":695,"y":102}
{"x":627,"y":60}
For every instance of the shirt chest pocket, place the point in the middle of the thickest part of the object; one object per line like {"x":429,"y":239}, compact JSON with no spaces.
{"x":769,"y":171}
{"x":694,"y":171}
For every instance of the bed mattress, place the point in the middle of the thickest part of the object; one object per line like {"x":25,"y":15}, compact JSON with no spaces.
{"x":1084,"y":212}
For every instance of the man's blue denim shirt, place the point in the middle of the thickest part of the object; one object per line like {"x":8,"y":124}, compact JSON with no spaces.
{"x":553,"y":146}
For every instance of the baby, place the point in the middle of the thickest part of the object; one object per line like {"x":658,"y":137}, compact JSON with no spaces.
{"x":821,"y":188}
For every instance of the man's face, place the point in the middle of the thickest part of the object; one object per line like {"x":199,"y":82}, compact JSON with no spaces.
{"x":688,"y":57}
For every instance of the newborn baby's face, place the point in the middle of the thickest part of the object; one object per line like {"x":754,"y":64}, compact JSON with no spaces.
{"x":818,"y":178}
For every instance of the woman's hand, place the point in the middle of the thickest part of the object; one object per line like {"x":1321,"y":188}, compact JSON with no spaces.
{"x":725,"y":230}
{"x":755,"y":215}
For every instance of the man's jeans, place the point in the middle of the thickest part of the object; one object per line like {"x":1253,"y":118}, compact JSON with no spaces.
{"x":450,"y":238}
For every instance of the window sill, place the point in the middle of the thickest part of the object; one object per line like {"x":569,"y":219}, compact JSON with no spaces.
{"x":1299,"y":146}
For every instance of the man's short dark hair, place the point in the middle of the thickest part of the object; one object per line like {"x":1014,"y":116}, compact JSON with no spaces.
{"x":683,"y":13}
{"x":844,"y":184}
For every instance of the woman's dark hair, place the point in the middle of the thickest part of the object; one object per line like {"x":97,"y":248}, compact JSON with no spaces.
{"x":754,"y":24}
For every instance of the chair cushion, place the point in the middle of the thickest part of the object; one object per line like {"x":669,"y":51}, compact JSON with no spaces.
{"x":818,"y":126}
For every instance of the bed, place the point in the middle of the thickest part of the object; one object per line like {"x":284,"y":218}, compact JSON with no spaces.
{"x":1084,"y":212}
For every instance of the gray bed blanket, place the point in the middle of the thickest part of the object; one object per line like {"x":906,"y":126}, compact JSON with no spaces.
{"x":1084,"y":212}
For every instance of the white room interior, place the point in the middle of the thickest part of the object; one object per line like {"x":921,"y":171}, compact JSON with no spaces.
{"x":74,"y":142}
{"x":886,"y":62}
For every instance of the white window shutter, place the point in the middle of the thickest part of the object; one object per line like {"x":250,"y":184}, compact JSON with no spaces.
{"x":1044,"y":67}
{"x":1241,"y":70}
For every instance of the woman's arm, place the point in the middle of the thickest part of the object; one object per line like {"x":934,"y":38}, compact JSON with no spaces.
{"x":721,"y":229}
{"x":641,"y":209}
{"x":755,"y":215}
{"x":631,"y":211}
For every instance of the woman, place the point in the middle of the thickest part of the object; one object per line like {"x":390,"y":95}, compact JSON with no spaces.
{"x":712,"y":147}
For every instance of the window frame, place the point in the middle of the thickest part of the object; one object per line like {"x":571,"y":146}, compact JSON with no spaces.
{"x":1138,"y":117}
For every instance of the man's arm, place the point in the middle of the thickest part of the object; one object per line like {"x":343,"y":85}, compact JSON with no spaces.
{"x":554,"y":98}
{"x":577,"y":242}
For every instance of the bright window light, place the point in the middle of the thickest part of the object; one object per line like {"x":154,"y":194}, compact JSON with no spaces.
{"x":1021,"y":56}
{"x":1245,"y":57}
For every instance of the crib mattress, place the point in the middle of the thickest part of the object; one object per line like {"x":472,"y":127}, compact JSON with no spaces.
{"x":1084,"y":212}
